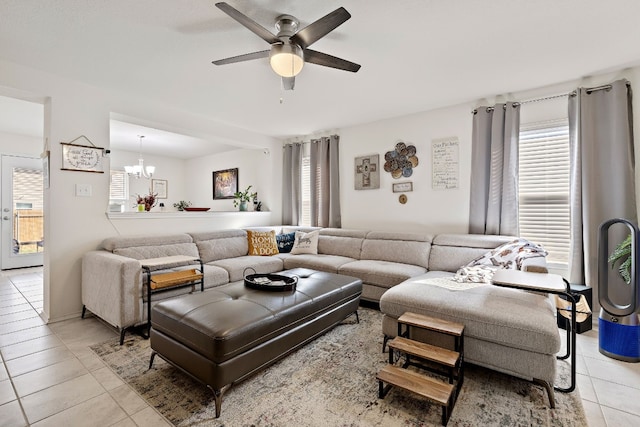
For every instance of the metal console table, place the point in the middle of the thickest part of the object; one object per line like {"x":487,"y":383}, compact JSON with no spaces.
{"x":551,"y":284}
{"x":155,"y":283}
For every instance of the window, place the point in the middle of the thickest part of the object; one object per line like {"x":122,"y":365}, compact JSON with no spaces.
{"x":305,"y":175}
{"x":544,"y":188}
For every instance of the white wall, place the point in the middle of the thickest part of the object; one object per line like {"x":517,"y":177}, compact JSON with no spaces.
{"x":20,"y":144}
{"x":255,"y":167}
{"x":170,"y":169}
{"x":428,"y":210}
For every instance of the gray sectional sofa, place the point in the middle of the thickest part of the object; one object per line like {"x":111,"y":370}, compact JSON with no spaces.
{"x":112,"y":280}
{"x":497,"y":335}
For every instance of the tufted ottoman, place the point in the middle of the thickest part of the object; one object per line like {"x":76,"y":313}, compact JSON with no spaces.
{"x":225,"y":334}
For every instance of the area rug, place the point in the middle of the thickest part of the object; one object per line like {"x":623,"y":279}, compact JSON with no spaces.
{"x":331,"y":382}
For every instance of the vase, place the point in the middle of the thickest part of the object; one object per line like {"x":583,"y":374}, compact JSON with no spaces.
{"x":243,"y":206}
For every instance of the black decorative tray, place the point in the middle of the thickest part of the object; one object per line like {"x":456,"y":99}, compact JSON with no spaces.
{"x":270,"y":282}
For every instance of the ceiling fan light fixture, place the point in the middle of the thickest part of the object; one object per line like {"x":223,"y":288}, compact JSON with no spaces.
{"x":286,"y":60}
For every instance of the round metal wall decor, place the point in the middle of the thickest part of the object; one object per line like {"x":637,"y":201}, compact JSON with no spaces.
{"x":401,"y":161}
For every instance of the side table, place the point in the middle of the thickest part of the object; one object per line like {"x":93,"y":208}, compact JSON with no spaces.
{"x":551,"y":284}
{"x":154,"y":283}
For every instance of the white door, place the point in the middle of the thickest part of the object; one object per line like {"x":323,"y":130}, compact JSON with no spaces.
{"x":22,"y":212}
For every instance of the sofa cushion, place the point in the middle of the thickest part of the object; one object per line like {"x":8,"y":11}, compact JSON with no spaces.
{"x":305,"y":243}
{"x":236,"y":266}
{"x":328,"y":263}
{"x":342,"y":242}
{"x":214,"y":276}
{"x":381,"y":273}
{"x":404,"y":248}
{"x":262,"y":243}
{"x":216,"y":245}
{"x":449,"y":252}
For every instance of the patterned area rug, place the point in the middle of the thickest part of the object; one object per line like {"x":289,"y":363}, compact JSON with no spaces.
{"x":331,"y":382}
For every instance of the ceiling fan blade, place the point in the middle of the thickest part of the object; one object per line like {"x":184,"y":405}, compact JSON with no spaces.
{"x":252,"y":25}
{"x":241,"y":58}
{"x":320,"y":28}
{"x":288,"y":83}
{"x":319,"y":58}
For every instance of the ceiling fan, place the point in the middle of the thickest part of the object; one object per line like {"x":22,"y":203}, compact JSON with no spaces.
{"x":289,"y":47}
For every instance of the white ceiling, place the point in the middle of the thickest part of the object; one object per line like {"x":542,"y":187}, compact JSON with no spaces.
{"x":416,"y":55}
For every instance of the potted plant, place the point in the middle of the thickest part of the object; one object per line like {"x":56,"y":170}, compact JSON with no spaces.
{"x":146,"y":202}
{"x":622,"y":254}
{"x":181,"y":205}
{"x":241,"y":198}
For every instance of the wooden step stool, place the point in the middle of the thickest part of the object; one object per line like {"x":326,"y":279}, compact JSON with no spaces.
{"x":434,"y":390}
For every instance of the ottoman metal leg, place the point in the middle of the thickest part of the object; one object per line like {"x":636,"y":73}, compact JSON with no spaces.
{"x":217,"y":395}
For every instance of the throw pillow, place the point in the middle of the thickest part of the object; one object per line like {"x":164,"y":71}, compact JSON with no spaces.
{"x":262,"y":242}
{"x":306,"y":243}
{"x":285,"y":242}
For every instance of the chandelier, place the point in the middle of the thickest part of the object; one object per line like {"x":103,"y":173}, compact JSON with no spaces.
{"x":139,"y":170}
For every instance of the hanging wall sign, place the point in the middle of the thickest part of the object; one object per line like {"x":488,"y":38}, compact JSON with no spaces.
{"x":446,"y":163}
{"x":82,"y":158}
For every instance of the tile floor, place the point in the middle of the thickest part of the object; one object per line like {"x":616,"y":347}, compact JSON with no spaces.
{"x":50,"y":377}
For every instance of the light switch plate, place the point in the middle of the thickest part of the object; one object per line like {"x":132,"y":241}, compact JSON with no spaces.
{"x":83,"y":190}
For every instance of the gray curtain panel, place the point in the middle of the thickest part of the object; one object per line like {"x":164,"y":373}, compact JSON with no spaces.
{"x":602,"y":171}
{"x":291,"y":184}
{"x":494,"y":170}
{"x":325,"y":182}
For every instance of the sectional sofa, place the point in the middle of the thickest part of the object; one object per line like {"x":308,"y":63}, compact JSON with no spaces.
{"x":112,"y":284}
{"x":112,"y":279}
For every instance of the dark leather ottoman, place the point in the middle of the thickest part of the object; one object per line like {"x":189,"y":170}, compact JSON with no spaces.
{"x":225,"y":334}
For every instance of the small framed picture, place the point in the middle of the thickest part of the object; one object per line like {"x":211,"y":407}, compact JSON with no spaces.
{"x":402,"y":187}
{"x":225,"y":183}
{"x":159,"y":187}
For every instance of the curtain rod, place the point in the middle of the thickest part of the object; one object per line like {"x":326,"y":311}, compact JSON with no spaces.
{"x":589,"y":90}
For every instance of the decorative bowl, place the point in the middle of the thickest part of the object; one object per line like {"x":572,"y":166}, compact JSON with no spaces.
{"x":196,"y":209}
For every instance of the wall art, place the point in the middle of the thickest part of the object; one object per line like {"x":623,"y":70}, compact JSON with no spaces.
{"x":82,"y":158}
{"x":367,"y":172}
{"x":400,"y":161}
{"x":402,"y":187}
{"x":225,"y":183}
{"x":446,"y":163}
{"x":159,"y":187}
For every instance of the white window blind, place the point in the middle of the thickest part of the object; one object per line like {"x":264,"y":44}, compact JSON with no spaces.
{"x":118,"y":186}
{"x":306,"y":191}
{"x":544,"y":188}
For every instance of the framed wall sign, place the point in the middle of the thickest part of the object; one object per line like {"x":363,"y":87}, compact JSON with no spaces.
{"x":82,"y":158}
{"x":225,"y":183}
{"x":367,"y":172}
{"x":159,"y":187}
{"x":403,"y":187}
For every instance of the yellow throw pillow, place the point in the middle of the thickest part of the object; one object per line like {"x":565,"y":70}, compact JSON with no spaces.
{"x":262,"y":242}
